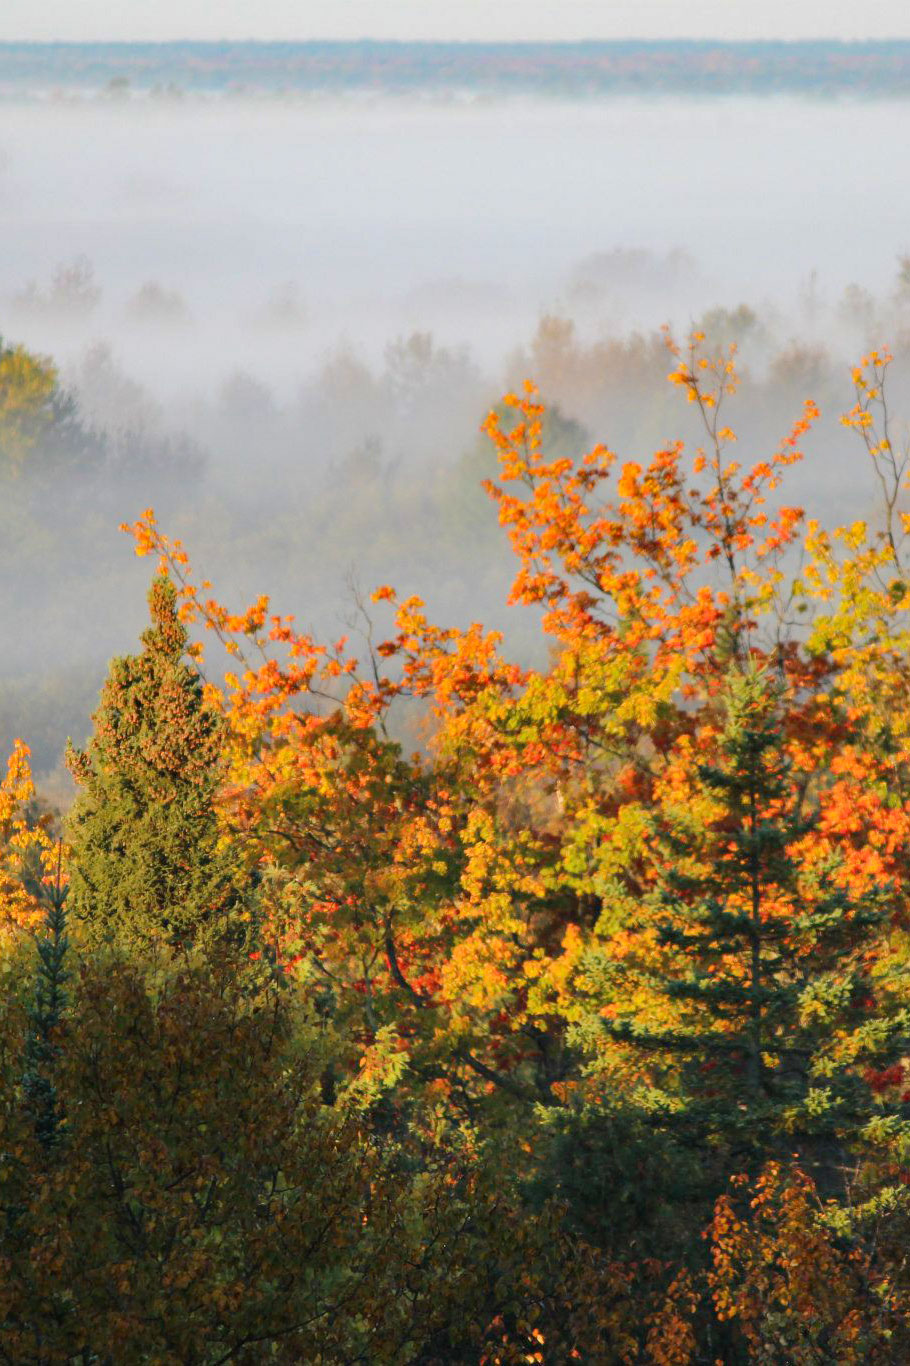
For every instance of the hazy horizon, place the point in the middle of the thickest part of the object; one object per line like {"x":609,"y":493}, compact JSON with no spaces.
{"x":567,"y":71}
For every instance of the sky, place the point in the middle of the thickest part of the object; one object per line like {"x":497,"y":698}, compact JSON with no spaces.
{"x":164,"y":20}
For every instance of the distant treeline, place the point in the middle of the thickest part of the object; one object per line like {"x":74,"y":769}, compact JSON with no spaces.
{"x":576,"y":70}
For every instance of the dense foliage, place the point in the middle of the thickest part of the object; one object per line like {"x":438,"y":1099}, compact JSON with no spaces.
{"x":581,"y":1033}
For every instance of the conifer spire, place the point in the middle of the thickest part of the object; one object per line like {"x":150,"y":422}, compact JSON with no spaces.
{"x":146,"y":862}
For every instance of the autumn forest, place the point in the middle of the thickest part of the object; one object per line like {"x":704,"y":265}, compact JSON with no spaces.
{"x":455,"y":684}
{"x":392,"y":999}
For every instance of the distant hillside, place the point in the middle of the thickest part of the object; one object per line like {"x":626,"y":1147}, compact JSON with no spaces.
{"x":566,"y":70}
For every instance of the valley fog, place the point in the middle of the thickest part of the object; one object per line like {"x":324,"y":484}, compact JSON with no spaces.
{"x":469,"y":218}
{"x":282,"y":323}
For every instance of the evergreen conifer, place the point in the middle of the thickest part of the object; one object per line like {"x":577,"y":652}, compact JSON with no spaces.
{"x":757,"y":964}
{"x":46,"y":1014}
{"x":146,"y":863}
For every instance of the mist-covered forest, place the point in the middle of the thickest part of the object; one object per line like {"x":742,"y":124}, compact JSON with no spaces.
{"x":367,"y":467}
{"x":281,"y":322}
{"x":454,"y":842}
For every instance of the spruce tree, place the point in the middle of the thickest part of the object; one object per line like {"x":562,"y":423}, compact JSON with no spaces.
{"x":757,"y":964}
{"x":46,"y":1014}
{"x":146,"y":863}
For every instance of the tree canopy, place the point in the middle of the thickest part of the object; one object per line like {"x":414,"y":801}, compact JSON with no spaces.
{"x":581,"y":1032}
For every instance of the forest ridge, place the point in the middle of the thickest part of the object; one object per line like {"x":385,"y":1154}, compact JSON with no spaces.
{"x":879,"y":69}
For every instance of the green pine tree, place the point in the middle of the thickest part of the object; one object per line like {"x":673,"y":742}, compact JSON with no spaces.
{"x":46,"y":1014}
{"x":146,"y":864}
{"x":774,"y":1028}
